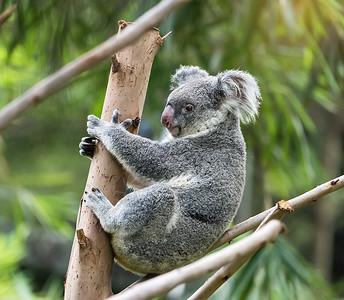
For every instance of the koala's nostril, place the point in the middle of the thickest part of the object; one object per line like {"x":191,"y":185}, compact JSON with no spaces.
{"x":164,"y":121}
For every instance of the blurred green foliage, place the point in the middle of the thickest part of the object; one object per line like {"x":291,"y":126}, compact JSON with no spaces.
{"x":276,"y":272}
{"x":295,"y":50}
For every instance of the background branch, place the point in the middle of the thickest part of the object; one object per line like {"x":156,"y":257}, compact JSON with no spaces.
{"x":89,"y":60}
{"x":229,"y":255}
{"x":6,"y":14}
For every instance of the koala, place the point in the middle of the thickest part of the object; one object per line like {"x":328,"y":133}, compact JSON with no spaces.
{"x":187,"y":187}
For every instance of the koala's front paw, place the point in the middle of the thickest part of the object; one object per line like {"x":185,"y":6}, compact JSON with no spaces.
{"x":87,"y":146}
{"x":94,"y":126}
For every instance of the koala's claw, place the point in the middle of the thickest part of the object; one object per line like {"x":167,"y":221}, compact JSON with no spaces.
{"x":115,"y":115}
{"x":87,"y":146}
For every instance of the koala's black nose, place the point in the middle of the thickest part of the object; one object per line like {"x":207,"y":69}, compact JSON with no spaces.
{"x":167,"y":117}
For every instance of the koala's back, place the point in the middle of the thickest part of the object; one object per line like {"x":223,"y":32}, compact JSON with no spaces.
{"x":207,"y":192}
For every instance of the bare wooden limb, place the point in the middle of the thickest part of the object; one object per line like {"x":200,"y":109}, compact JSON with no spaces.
{"x":226,"y":272}
{"x":7,"y":14}
{"x":89,"y":60}
{"x":276,"y":212}
{"x":306,"y":198}
{"x":231,"y":254}
{"x":91,"y":261}
{"x":221,"y":276}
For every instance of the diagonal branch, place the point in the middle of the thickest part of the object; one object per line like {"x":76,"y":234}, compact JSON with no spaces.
{"x":276,"y":212}
{"x":89,"y":60}
{"x":299,"y":201}
{"x":232,"y":254}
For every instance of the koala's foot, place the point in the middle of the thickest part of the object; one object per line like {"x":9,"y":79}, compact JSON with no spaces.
{"x":95,"y":198}
{"x":102,"y":208}
{"x":87,"y":146}
{"x":98,"y":202}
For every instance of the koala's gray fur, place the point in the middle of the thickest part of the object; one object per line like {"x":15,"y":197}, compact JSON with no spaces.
{"x":191,"y":183}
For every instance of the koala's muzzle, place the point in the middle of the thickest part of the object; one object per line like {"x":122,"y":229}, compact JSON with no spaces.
{"x":167,"y":117}
{"x":167,"y":121}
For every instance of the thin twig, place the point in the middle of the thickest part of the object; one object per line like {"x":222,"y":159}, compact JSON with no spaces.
{"x":268,"y":217}
{"x":231,"y":254}
{"x":166,"y":35}
{"x":89,"y":60}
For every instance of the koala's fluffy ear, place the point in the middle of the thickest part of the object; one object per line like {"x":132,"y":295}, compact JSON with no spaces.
{"x":241,"y":93}
{"x":186,"y":73}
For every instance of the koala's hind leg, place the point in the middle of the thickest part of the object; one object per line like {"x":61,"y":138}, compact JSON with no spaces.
{"x":151,"y":207}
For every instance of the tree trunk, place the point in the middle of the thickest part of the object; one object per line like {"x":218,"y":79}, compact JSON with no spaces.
{"x":91,"y":260}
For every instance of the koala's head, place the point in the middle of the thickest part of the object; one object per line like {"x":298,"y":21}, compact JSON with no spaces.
{"x":199,"y":101}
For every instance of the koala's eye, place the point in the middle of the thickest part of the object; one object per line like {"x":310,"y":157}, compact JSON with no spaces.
{"x":188,"y":108}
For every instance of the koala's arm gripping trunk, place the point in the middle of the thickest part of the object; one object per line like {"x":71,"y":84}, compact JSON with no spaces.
{"x":91,"y":260}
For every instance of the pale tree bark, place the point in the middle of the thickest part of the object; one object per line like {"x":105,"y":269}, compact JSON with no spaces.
{"x":91,"y":261}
